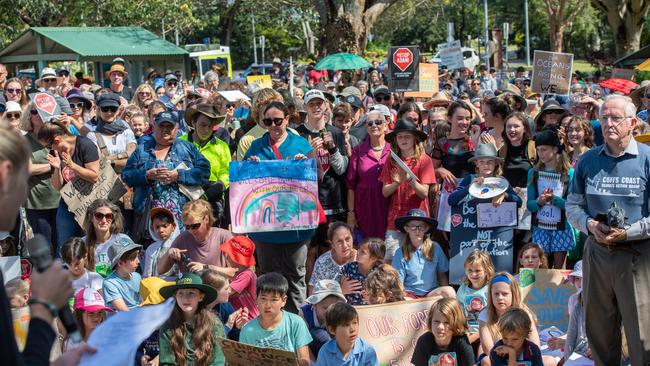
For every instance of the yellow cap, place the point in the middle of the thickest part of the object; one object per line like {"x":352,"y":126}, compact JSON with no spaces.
{"x":150,"y":290}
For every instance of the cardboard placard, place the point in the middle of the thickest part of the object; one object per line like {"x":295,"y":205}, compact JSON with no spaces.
{"x":467,"y":236}
{"x":263,"y":81}
{"x":427,"y":82}
{"x":503,"y":215}
{"x":240,"y":354}
{"x":393,"y":329}
{"x":78,"y":194}
{"x":403,"y":66}
{"x":451,"y":55}
{"x":546,"y":292}
{"x":273,"y":195}
{"x":551,"y":72}
{"x":46,"y":105}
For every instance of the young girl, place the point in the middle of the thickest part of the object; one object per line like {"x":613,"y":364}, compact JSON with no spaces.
{"x":420,"y":262}
{"x":405,"y":192}
{"x":353,"y":276}
{"x":239,"y":254}
{"x":329,"y":265}
{"x":74,"y":254}
{"x":103,"y":224}
{"x":514,"y":349}
{"x":531,"y":256}
{"x":446,"y":339}
{"x":232,"y":319}
{"x":548,"y":186}
{"x":89,"y":311}
{"x":189,"y":337}
{"x":503,"y":294}
{"x":580,"y":137}
{"x":384,"y":285}
{"x":472,"y":293}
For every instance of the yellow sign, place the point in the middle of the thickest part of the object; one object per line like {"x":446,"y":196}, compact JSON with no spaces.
{"x":264,"y":81}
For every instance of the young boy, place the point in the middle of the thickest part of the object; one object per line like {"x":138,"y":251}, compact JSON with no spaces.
{"x":239,"y":254}
{"x":326,"y":293}
{"x":346,"y":348}
{"x":513,"y":347}
{"x":122,"y":286}
{"x":163,"y":230}
{"x":274,"y":327}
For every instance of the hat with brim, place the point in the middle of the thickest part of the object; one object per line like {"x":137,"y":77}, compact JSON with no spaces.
{"x":324,"y":289}
{"x":549,"y":105}
{"x":439,"y":99}
{"x":548,"y":137}
{"x":150,"y":290}
{"x":637,"y":93}
{"x":206,"y":109}
{"x":329,"y":96}
{"x":577,"y":270}
{"x":415,"y":214}
{"x":240,"y":250}
{"x":160,"y":211}
{"x":119,"y":68}
{"x":77,"y":94}
{"x":190,"y":280}
{"x":48,"y":73}
{"x":514,"y":91}
{"x":120,"y":247}
{"x":90,"y":300}
{"x":404,"y":125}
{"x":485,"y":151}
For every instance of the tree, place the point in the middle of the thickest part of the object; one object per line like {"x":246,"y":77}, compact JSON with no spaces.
{"x":558,"y":19}
{"x":345,"y":24}
{"x":626,"y":18}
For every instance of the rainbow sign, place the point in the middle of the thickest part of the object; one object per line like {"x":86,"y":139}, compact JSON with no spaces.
{"x":273,"y":195}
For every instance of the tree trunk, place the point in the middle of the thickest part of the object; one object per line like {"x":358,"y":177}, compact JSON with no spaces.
{"x":227,"y":23}
{"x":557,"y":20}
{"x":626,"y":18}
{"x":556,"y":30}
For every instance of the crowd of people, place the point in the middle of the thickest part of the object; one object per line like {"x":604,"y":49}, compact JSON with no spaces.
{"x":383,"y":234}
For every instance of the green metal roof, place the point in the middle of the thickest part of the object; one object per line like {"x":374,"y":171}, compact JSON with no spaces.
{"x":109,"y":41}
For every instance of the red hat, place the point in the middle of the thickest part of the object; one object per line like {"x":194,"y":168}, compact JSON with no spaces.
{"x":240,"y":250}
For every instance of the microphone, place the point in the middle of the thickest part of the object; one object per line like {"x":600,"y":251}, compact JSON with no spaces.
{"x":41,"y":257}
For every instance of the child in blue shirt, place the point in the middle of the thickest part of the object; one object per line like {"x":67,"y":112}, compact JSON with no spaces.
{"x":274,"y":327}
{"x":122,"y":286}
{"x":514,"y":348}
{"x":346,"y":348}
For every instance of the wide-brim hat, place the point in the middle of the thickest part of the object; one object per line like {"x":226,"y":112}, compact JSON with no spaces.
{"x":439,"y":99}
{"x":48,"y":73}
{"x":116,"y":68}
{"x":240,"y":249}
{"x":548,"y":137}
{"x":190,"y":280}
{"x":638,"y":92}
{"x":485,"y":151}
{"x":549,"y":105}
{"x":404,"y":125}
{"x":206,"y":109}
{"x":417,"y":215}
{"x":516,"y":92}
{"x":323,"y":289}
{"x":119,"y":247}
{"x":77,"y":94}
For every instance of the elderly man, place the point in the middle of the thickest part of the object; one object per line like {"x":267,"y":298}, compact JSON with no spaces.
{"x":617,"y":254}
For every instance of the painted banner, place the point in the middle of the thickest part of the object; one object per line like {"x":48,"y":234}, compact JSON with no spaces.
{"x":78,"y":194}
{"x":466,"y":236}
{"x":403,"y":68}
{"x":263,"y":81}
{"x":393,"y":329}
{"x":240,"y":354}
{"x":273,"y":195}
{"x":547,"y":292}
{"x":46,"y":105}
{"x":551,"y":72}
{"x":427,"y":82}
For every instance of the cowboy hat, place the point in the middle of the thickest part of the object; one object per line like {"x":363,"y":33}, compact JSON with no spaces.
{"x":439,"y":99}
{"x":204,"y":108}
{"x":404,"y":125}
{"x":415,"y":214}
{"x":514,"y":91}
{"x":190,"y":280}
{"x":119,"y":68}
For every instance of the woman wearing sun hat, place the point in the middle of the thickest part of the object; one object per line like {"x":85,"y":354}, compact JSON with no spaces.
{"x":189,"y":337}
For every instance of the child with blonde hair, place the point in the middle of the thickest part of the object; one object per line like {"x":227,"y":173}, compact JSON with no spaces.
{"x":472,"y":293}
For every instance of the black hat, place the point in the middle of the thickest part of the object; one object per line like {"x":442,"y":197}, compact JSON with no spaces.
{"x":108,"y":100}
{"x":548,"y":137}
{"x":549,"y":105}
{"x":382,"y":89}
{"x":404,"y":125}
{"x":353,"y":100}
{"x":415,"y":214}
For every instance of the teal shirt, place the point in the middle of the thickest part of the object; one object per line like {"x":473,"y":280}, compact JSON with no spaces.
{"x":167,"y":356}
{"x":290,"y":335}
{"x":115,"y":287}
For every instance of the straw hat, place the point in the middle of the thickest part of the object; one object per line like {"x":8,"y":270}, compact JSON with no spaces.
{"x":117,"y":68}
{"x":638,"y":92}
{"x":439,"y":99}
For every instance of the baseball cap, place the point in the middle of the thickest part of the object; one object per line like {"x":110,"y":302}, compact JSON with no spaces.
{"x":169,"y":117}
{"x":240,"y":250}
{"x":323,"y":289}
{"x":170,"y":77}
{"x":314,"y":94}
{"x":90,"y":300}
{"x":381,"y":109}
{"x":353,"y":100}
{"x":160,"y":210}
{"x":382,"y":89}
{"x":351,"y":90}
{"x":108,"y":100}
{"x":119,"y":247}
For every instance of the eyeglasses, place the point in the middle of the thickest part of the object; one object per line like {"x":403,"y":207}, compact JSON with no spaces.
{"x":15,"y":115}
{"x":192,"y":227}
{"x":77,"y":105}
{"x":379,"y":98}
{"x":33,"y":112}
{"x":172,"y":83}
{"x":416,"y":228}
{"x":615,"y":120}
{"x":13,"y":91}
{"x":108,"y":109}
{"x":276,"y":121}
{"x":377,"y":122}
{"x":100,"y":216}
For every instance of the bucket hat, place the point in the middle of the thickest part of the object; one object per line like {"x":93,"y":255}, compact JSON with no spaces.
{"x":190,"y":280}
{"x":323,"y":289}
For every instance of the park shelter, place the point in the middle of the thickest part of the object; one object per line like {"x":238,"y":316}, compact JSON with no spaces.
{"x":633,"y":59}
{"x":140,"y":49}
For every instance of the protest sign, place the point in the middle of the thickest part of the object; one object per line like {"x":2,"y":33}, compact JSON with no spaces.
{"x":234,"y":95}
{"x":393,"y":329}
{"x":263,"y":81}
{"x":273,"y":195}
{"x":489,"y":215}
{"x":551,"y":72}
{"x":403,"y":66}
{"x":546,"y":292}
{"x":451,"y":55}
{"x":46,"y":105}
{"x":427,"y":82}
{"x":627,"y":74}
{"x":467,"y":236}
{"x":78,"y":194}
{"x":240,"y":354}
{"x":10,"y":267}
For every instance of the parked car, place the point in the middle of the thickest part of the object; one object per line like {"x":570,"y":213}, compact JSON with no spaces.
{"x":470,"y":58}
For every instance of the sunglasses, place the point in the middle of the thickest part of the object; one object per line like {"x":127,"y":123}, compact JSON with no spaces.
{"x":13,"y":91}
{"x":33,"y":112}
{"x":64,"y":74}
{"x":230,"y":105}
{"x":145,"y":94}
{"x":376,"y":122}
{"x":100,"y":216}
{"x":192,"y":227}
{"x":172,"y":83}
{"x":12,"y":115}
{"x":49,"y":80}
{"x":476,"y":84}
{"x":386,"y":98}
{"x":108,"y":109}
{"x":276,"y":121}
{"x":77,"y":105}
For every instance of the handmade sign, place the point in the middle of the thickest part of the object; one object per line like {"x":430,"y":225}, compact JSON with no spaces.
{"x":273,"y":195}
{"x":467,"y":236}
{"x":78,"y":194}
{"x":551,"y":72}
{"x":393,"y":329}
{"x":403,"y":66}
{"x":451,"y":55}
{"x":523,"y":213}
{"x":263,"y":81}
{"x":547,"y":292}
{"x":46,"y":105}
{"x":240,"y":354}
{"x":427,"y":82}
{"x":494,"y":216}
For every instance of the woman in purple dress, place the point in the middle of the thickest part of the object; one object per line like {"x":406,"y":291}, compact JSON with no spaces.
{"x":367,"y":207}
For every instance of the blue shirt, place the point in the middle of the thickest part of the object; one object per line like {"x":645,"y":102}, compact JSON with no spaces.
{"x":290,"y":335}
{"x":362,"y":354}
{"x":115,"y":287}
{"x":420,"y":275}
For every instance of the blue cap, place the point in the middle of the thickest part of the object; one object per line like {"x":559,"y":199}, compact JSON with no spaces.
{"x":169,"y":117}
